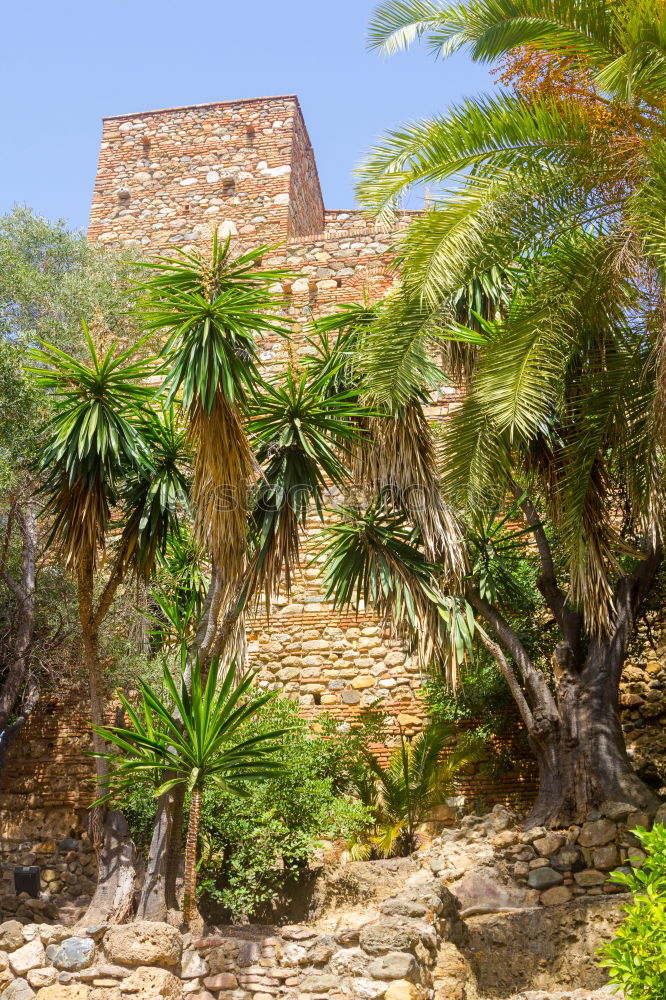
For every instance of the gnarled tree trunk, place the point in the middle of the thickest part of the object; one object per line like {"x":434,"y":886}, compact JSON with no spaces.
{"x":574,"y":730}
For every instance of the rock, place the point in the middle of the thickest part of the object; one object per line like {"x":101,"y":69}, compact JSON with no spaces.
{"x":500,"y":818}
{"x":319,"y":983}
{"x":72,"y":954}
{"x":367,"y":989}
{"x":548,"y":845}
{"x":321,"y":950}
{"x":347,"y":937}
{"x":221,"y":981}
{"x":659,"y":817}
{"x":589,"y":877}
{"x":403,"y":908}
{"x":147,"y":983}
{"x":544,"y":878}
{"x":637,"y":818}
{"x":144,"y":943}
{"x":615,"y":810}
{"x":74,"y":991}
{"x":597,"y":832}
{"x":11,"y":935}
{"x":476,"y":889}
{"x":21,"y":990}
{"x":569,"y":859}
{"x":45,"y":976}
{"x":193,"y":965}
{"x":30,"y":956}
{"x":249,"y":953}
{"x":402,"y":991}
{"x":54,"y":933}
{"x":349,"y":962}
{"x":389,"y":935}
{"x":297,"y":932}
{"x":605,"y":858}
{"x":555,"y":896}
{"x":394,"y":965}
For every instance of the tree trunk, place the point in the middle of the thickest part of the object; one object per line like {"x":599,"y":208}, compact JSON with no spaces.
{"x":190,"y":878}
{"x":113,"y":900}
{"x":583,"y":760}
{"x":24,"y":591}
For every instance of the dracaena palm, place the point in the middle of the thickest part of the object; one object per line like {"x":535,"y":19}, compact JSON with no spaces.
{"x":561,"y":187}
{"x":212,"y":309}
{"x":103,"y":452}
{"x":193,"y":737}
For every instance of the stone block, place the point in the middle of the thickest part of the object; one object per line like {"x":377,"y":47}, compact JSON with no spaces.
{"x":548,"y":845}
{"x":29,"y":956}
{"x":589,"y":877}
{"x":556,"y":896}
{"x":148,"y":983}
{"x":73,"y":954}
{"x":144,"y":943}
{"x":544,"y":878}
{"x":394,"y":965}
{"x":597,"y":832}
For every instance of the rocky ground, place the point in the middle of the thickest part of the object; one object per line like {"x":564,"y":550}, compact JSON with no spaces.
{"x":459,"y":920}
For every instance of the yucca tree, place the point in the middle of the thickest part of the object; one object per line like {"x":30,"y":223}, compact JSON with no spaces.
{"x":191,"y":737}
{"x":561,"y":188}
{"x":211,"y":309}
{"x":106,"y":454}
{"x":419,"y":775}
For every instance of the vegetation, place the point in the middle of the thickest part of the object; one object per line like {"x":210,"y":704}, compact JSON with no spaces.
{"x":635,"y":955}
{"x":192,"y":742}
{"x":562,"y":417}
{"x":419,"y":776}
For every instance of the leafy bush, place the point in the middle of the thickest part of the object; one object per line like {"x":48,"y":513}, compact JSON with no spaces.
{"x":252,"y":848}
{"x":636,"y":956}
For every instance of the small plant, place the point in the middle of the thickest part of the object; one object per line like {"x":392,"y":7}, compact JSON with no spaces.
{"x":419,"y":776}
{"x":636,"y":956}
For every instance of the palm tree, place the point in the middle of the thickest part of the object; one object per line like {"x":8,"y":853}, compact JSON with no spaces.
{"x":106,"y":454}
{"x":563,"y":189}
{"x":212,"y":310}
{"x":419,"y":776}
{"x":194,"y":740}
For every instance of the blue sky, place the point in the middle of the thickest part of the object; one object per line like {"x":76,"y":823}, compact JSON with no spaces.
{"x":65,"y":65}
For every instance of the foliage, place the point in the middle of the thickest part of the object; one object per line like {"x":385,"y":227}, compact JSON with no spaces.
{"x":253,"y":847}
{"x":635,"y":957}
{"x":419,"y":776}
{"x":194,"y":740}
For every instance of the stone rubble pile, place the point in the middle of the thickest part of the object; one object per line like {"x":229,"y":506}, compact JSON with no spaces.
{"x":67,"y":879}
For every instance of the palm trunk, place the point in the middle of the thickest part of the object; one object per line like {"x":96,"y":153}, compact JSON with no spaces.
{"x":113,"y":900}
{"x":190,"y":877}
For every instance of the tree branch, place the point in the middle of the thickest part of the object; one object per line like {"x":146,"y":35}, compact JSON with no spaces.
{"x":570,"y":622}
{"x":538,"y":693}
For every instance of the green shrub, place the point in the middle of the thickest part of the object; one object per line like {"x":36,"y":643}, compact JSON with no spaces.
{"x":636,"y":956}
{"x":252,"y":848}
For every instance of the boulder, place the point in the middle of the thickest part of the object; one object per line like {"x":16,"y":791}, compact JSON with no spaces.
{"x":19,"y":990}
{"x":367,"y":989}
{"x":147,"y":983}
{"x":394,"y":965}
{"x":392,"y":934}
{"x":29,"y":956}
{"x":349,"y":962}
{"x":399,"y":907}
{"x":72,"y":954}
{"x":402,"y":991}
{"x":144,"y":942}
{"x":486,"y":890}
{"x":597,"y":833}
{"x":11,"y":935}
{"x":590,"y":877}
{"x":544,"y":878}
{"x":193,"y":965}
{"x":548,"y":845}
{"x":46,"y":976}
{"x":221,"y":981}
{"x":555,"y":896}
